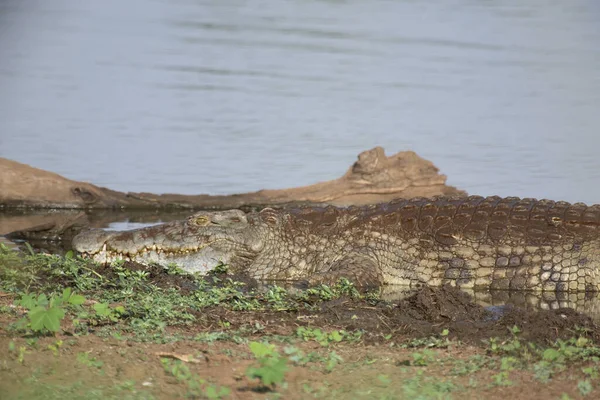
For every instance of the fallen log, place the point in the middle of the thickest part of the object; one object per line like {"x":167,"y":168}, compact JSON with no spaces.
{"x":374,"y":178}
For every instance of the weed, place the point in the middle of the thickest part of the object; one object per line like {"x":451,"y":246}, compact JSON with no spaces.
{"x":384,"y":379}
{"x":54,"y":347}
{"x":216,"y":392}
{"x":277,"y":297}
{"x":585,"y":387}
{"x":20,"y":352}
{"x":432,"y":341}
{"x":470,"y":366}
{"x":104,"y":311}
{"x":423,"y":358}
{"x":343,"y":287}
{"x":513,"y":346}
{"x":45,"y":314}
{"x":422,"y":387}
{"x":196,"y":386}
{"x":591,"y":372}
{"x":220,"y":268}
{"x":271,"y":367}
{"x":509,"y":363}
{"x":210,"y":337}
{"x":297,"y":356}
{"x":326,"y":338}
{"x":501,"y":379}
{"x":543,"y":371}
{"x":92,"y":362}
{"x":332,"y":360}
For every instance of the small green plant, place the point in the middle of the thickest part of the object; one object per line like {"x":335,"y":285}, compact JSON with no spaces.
{"x":277,"y":299}
{"x":501,"y":379}
{"x":326,"y":338}
{"x":20,"y":353}
{"x":421,"y":359}
{"x":216,"y":392}
{"x":585,"y":387}
{"x":134,"y":278}
{"x":197,"y":387}
{"x":591,"y":372}
{"x":509,"y":363}
{"x":210,"y":337}
{"x":55,"y":347}
{"x":85,"y":359}
{"x":470,"y":366}
{"x":343,"y":287}
{"x":513,"y":346}
{"x":384,"y":379}
{"x":220,"y":268}
{"x":431,"y":341}
{"x":174,"y":269}
{"x":105,"y":311}
{"x":332,"y":361}
{"x":543,"y":371}
{"x":271,"y":366}
{"x":421,"y":386}
{"x":45,"y":314}
{"x":296,"y":355}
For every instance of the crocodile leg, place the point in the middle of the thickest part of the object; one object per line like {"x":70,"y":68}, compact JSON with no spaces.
{"x":357,"y":267}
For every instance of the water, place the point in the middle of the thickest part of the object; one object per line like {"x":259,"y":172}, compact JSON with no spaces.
{"x":234,"y":96}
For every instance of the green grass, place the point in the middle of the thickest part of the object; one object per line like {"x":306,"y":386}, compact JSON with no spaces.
{"x":126,"y":297}
{"x":74,"y":297}
{"x":80,"y":390}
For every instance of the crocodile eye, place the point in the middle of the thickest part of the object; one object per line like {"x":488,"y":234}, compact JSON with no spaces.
{"x":200,"y":221}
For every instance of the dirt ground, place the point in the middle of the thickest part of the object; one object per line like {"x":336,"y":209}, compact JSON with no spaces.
{"x":420,"y":315}
{"x":367,"y":370}
{"x":432,"y":344}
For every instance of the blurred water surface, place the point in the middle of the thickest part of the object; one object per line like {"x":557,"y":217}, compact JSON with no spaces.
{"x":231,"y":96}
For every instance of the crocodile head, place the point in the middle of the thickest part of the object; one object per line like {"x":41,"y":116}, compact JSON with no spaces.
{"x":196,"y":244}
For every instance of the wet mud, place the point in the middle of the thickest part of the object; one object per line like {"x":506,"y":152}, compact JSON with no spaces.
{"x":424,"y":313}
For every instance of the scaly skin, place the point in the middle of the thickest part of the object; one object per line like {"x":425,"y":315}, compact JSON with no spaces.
{"x":474,"y":242}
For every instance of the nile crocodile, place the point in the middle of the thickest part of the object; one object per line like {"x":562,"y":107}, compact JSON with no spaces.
{"x":472,"y":242}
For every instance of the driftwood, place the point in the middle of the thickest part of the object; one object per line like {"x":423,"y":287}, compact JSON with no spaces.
{"x":41,"y":205}
{"x":374,"y":178}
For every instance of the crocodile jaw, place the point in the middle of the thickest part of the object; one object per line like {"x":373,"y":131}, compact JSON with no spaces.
{"x":188,"y":244}
{"x":201,"y":261}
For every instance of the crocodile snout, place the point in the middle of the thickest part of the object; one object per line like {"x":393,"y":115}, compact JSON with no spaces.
{"x":92,"y":241}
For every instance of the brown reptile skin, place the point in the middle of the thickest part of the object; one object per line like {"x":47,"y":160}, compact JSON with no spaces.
{"x":473,"y":242}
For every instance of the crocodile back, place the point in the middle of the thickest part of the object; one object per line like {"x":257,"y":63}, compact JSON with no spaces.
{"x":482,"y":219}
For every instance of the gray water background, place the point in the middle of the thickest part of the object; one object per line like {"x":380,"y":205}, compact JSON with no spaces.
{"x":226,"y":96}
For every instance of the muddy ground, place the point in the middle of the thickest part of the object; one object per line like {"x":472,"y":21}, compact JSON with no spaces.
{"x":417,"y":316}
{"x":436,"y":343}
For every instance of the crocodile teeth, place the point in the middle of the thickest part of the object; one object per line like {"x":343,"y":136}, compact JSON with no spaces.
{"x":104,"y":247}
